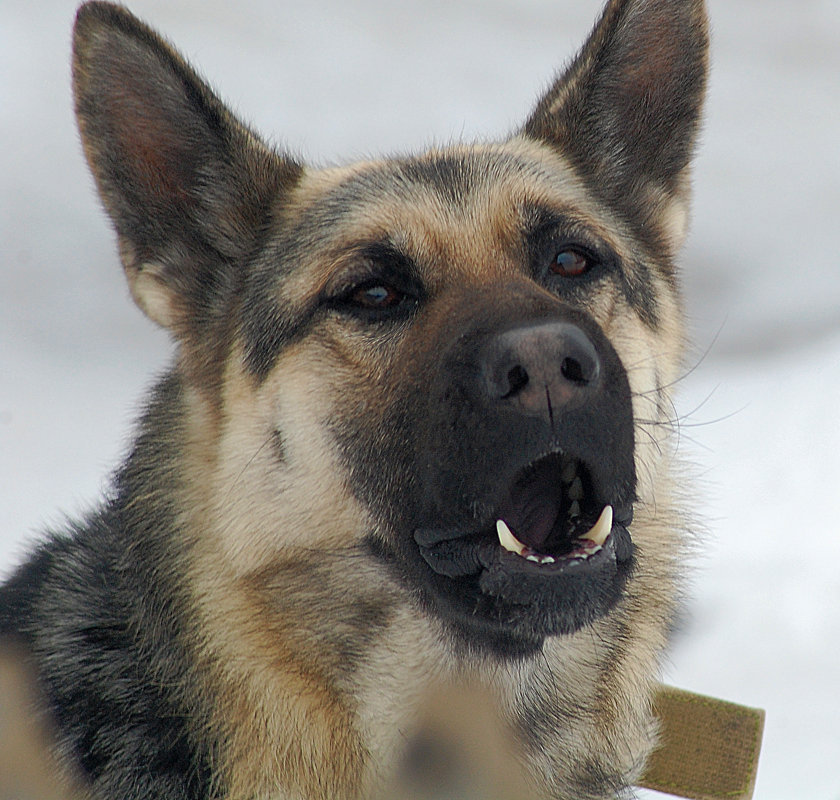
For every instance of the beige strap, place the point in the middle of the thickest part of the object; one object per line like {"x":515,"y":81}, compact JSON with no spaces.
{"x":708,"y":748}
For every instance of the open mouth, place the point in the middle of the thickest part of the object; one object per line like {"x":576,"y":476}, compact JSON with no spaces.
{"x":547,"y":517}
{"x":552,"y":521}
{"x":554,"y":555}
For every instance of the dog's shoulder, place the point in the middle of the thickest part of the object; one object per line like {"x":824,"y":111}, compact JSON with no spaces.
{"x":68,"y":614}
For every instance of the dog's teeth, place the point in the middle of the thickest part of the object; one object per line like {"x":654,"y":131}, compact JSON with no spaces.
{"x":539,"y":558}
{"x":601,"y":529}
{"x":574,"y":509}
{"x":576,"y":489}
{"x":508,"y":540}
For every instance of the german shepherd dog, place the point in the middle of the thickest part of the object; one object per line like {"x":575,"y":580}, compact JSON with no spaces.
{"x":417,"y":431}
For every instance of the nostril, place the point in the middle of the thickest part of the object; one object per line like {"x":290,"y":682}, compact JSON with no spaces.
{"x":520,"y":365}
{"x":572,"y":370}
{"x":517,"y":379}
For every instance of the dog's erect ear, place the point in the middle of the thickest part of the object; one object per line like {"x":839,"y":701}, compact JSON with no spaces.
{"x":188,"y":187}
{"x":627,"y":110}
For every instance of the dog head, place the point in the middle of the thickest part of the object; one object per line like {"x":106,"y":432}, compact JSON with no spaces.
{"x":456,"y":364}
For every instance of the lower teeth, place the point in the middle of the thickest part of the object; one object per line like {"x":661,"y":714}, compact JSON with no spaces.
{"x":539,"y":558}
{"x":586,"y":545}
{"x":583,"y":550}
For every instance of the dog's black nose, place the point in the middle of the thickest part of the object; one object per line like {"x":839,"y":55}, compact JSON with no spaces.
{"x":540,"y":366}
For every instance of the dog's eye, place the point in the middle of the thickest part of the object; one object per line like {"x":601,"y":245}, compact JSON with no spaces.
{"x":571,"y":263}
{"x":376,"y":297}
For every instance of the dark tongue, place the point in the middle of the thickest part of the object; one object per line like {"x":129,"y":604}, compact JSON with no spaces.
{"x":532,"y":508}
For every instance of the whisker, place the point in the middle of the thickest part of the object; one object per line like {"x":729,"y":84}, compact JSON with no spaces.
{"x":247,"y":465}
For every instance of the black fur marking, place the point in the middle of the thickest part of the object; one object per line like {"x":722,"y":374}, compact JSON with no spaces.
{"x":268,"y":327}
{"x":108,"y":694}
{"x":640,"y":291}
{"x":374,"y":263}
{"x":451,"y":175}
{"x":20,"y":591}
{"x":278,"y":445}
{"x":360,"y":626}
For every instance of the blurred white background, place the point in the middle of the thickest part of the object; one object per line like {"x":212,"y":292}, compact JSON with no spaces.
{"x":347,"y":78}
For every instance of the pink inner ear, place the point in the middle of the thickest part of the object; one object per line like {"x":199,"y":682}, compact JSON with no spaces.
{"x":650,"y":68}
{"x":152,"y":150}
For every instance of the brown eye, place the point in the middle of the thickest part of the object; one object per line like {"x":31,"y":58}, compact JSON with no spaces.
{"x":378,"y":296}
{"x":571,"y":263}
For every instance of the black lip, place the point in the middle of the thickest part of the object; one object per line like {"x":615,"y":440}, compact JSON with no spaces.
{"x":455,"y":555}
{"x":511,"y":604}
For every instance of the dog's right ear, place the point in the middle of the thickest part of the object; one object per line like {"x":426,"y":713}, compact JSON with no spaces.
{"x":188,"y":187}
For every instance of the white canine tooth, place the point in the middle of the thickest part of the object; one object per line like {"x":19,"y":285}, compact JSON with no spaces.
{"x":574,"y":509}
{"x":507,"y":539}
{"x":601,"y":529}
{"x":576,"y":490}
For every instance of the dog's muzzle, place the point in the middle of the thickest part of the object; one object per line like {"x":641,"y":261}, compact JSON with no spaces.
{"x":531,"y":478}
{"x":508,"y":454}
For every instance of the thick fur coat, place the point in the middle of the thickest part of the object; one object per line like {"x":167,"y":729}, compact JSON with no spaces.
{"x":416,"y":434}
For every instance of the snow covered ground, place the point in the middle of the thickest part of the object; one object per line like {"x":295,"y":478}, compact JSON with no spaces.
{"x":340,"y":79}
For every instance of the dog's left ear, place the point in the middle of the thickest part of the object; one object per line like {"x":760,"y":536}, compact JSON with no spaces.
{"x":627,"y":110}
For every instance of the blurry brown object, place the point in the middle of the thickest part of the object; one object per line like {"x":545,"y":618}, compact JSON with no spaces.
{"x":28,"y":770}
{"x":458,"y":750}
